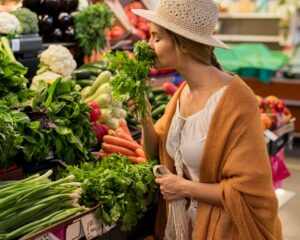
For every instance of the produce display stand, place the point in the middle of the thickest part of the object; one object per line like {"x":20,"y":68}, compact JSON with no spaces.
{"x":286,"y":89}
{"x":87,"y":226}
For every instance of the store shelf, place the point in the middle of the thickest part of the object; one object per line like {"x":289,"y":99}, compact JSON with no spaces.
{"x":65,"y":44}
{"x":248,"y":38}
{"x":250,"y":16}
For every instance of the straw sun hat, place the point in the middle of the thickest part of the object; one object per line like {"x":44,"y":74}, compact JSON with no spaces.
{"x":193,"y":19}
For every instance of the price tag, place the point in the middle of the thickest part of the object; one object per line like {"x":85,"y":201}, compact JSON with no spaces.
{"x":47,"y":236}
{"x":269,"y":134}
{"x":89,"y":226}
{"x":74,"y":231}
{"x":15,"y":45}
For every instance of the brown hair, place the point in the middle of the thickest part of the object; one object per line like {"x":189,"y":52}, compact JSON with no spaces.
{"x":201,"y":52}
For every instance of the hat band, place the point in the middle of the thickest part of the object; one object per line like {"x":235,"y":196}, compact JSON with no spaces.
{"x":176,"y":20}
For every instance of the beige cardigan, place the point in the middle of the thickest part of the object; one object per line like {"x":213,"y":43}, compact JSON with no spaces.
{"x":235,"y":156}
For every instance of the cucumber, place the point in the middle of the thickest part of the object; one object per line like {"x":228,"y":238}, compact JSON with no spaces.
{"x":84,"y":82}
{"x":102,"y":78}
{"x":157,"y":90}
{"x":159,"y":110}
{"x":161,"y":97}
{"x":81,"y":74}
{"x":94,"y":71}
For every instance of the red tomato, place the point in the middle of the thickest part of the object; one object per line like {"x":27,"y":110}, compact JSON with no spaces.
{"x":140,"y":34}
{"x":169,"y":88}
{"x":117,"y":32}
{"x":144,"y":26}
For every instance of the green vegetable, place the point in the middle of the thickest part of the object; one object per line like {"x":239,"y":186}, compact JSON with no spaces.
{"x":158,"y":110}
{"x":81,"y":74}
{"x":130,"y":74}
{"x":103,"y":77}
{"x":122,"y":189}
{"x":85,"y":82}
{"x":90,"y":25}
{"x":34,"y":203}
{"x":13,"y":84}
{"x":28,"y":20}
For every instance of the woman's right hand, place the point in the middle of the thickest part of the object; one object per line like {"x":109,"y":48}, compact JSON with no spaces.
{"x":132,"y":109}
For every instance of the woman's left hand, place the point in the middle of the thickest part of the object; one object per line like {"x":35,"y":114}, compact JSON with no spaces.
{"x":171,"y":186}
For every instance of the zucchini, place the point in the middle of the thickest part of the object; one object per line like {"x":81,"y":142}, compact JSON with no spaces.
{"x":159,"y":110}
{"x":102,"y":78}
{"x":158,"y":90}
{"x":81,"y":74}
{"x":84,"y":82}
{"x":94,"y":71}
{"x":161,"y":97}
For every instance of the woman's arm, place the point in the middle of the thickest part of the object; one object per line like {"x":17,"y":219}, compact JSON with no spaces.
{"x":174,"y":187}
{"x":149,"y":138}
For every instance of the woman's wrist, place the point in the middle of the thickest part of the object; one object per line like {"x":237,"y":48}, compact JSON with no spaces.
{"x":146,"y":121}
{"x":184,"y":188}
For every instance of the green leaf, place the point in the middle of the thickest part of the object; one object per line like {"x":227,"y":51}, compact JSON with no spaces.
{"x":63,"y":130}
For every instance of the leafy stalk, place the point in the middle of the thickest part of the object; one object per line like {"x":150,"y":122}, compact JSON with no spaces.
{"x":130,"y":75}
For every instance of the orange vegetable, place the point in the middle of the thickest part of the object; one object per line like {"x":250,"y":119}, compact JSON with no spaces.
{"x":141,"y":160}
{"x":117,"y":149}
{"x":103,"y":154}
{"x":124,"y":126}
{"x":111,"y":132}
{"x":120,"y":142}
{"x":140,"y":152}
{"x":121,"y":134}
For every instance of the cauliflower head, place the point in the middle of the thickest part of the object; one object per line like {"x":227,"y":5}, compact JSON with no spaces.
{"x":47,"y":77}
{"x":58,"y":59}
{"x":9,"y":24}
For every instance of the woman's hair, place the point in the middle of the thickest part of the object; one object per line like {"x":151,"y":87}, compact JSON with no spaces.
{"x":201,"y":52}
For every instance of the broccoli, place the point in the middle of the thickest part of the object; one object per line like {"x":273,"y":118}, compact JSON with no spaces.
{"x":28,"y":20}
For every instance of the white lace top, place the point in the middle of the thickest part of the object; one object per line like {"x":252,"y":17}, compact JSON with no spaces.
{"x":188,"y":135}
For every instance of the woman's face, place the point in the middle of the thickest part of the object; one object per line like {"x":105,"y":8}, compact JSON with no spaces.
{"x":164,"y":48}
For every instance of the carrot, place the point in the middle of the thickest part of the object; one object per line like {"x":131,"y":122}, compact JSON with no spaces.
{"x":86,"y":59}
{"x":117,"y":149}
{"x":140,"y":152}
{"x":116,"y":141}
{"x":134,"y":160}
{"x":111,"y":132}
{"x":141,"y":160}
{"x":121,"y":134}
{"x":103,"y":154}
{"x":124,"y":126}
{"x":93,"y":56}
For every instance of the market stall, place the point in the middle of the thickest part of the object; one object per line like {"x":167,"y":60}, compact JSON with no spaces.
{"x":67,"y":140}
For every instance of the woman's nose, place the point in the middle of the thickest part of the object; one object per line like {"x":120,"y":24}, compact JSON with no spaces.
{"x":150,"y":44}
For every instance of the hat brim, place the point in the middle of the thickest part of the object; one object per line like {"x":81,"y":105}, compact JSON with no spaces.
{"x":153,"y":17}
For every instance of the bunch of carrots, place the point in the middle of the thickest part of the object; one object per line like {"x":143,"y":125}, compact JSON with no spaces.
{"x":120,"y":141}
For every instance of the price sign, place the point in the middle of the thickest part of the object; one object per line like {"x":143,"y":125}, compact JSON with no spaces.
{"x":89,"y":223}
{"x":15,"y":45}
{"x":47,"y":236}
{"x":269,"y":134}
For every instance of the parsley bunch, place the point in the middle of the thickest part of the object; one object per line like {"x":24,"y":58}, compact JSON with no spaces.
{"x":130,"y":74}
{"x":122,"y":189}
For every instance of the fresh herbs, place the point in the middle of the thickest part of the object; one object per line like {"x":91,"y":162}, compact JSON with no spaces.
{"x":90,"y":26}
{"x":130,"y":74}
{"x":123,"y":190}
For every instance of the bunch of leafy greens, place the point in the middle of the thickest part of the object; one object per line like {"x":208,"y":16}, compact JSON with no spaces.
{"x":64,"y":125}
{"x":10,"y":134}
{"x":13,"y":84}
{"x":130,"y":75}
{"x":90,"y":26}
{"x":122,"y":189}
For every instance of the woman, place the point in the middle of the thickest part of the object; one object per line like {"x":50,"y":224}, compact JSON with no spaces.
{"x":210,"y":137}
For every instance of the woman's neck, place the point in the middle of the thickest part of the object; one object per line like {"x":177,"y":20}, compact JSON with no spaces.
{"x":199,"y":77}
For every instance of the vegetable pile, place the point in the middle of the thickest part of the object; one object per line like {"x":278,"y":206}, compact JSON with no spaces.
{"x":34,"y":203}
{"x":90,"y":25}
{"x":121,"y":141}
{"x":13,"y":88}
{"x":130,"y":74}
{"x":122,"y":189}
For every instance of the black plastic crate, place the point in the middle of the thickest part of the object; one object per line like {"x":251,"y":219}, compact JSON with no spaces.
{"x":275,"y":146}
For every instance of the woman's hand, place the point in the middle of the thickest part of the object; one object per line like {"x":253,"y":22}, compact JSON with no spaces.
{"x":171,"y":186}
{"x":132,"y":108}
